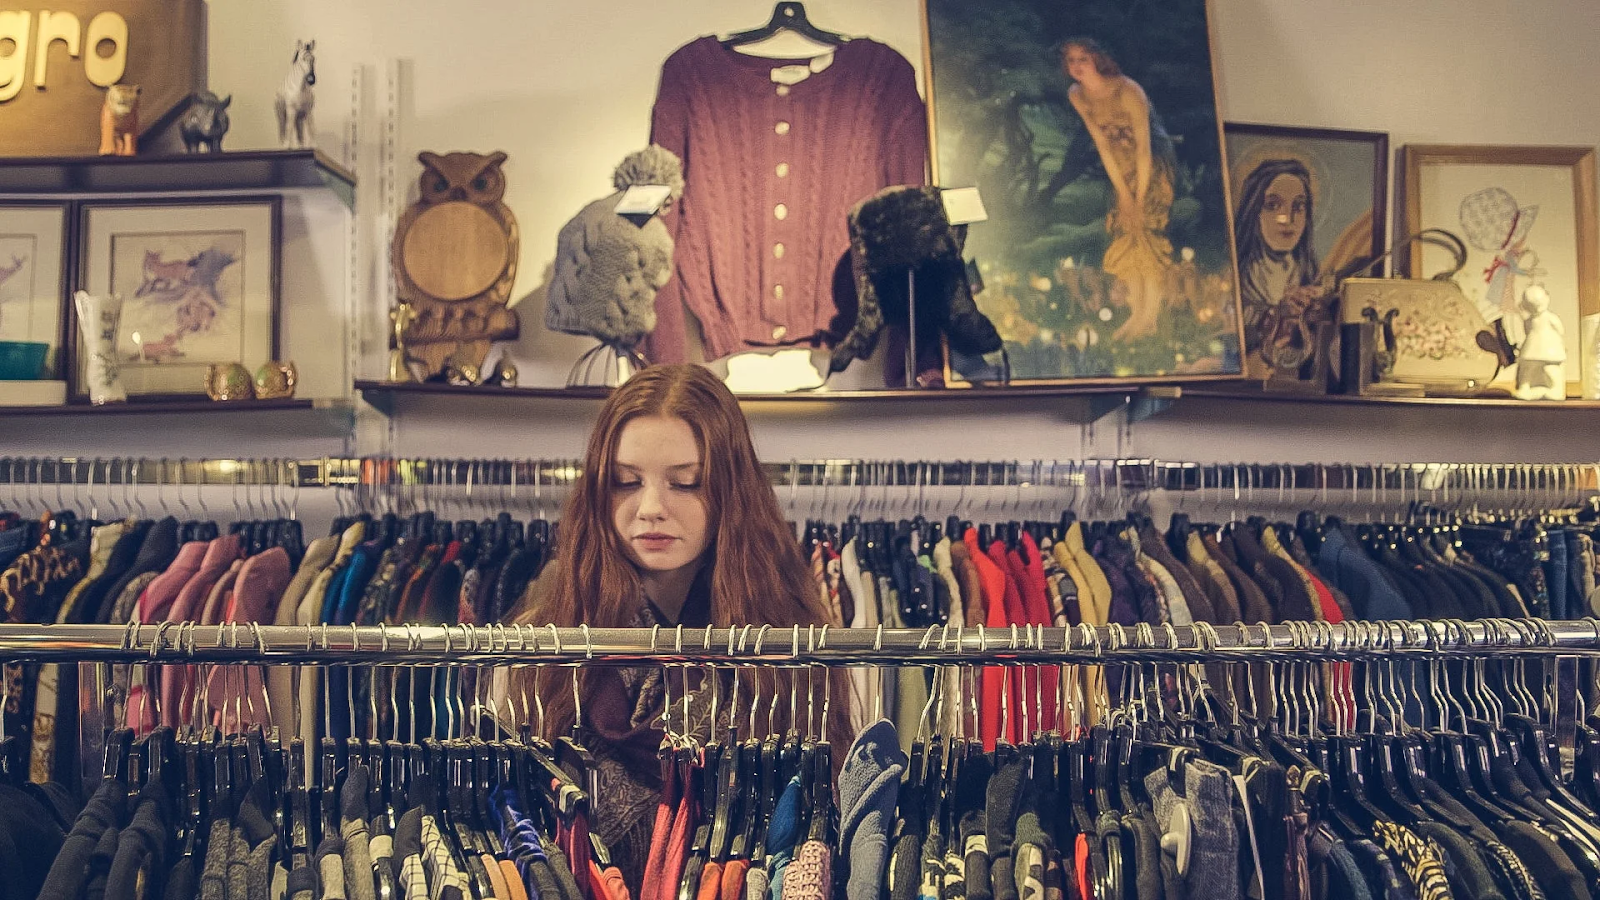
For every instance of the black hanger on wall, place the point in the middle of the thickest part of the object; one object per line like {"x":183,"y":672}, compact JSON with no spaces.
{"x":786,"y":16}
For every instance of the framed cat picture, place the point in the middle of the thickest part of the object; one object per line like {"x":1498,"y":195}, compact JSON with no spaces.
{"x":199,"y":282}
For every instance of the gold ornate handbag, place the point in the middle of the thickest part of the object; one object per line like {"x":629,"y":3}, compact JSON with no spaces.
{"x":1429,"y":332}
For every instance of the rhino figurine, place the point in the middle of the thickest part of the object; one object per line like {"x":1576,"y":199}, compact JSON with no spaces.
{"x":204,"y":123}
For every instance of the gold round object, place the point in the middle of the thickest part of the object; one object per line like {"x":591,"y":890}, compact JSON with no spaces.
{"x":455,"y":250}
{"x":229,"y":381}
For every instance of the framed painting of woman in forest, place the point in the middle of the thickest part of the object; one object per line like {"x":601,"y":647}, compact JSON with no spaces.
{"x":1308,"y":202}
{"x":1090,"y":131}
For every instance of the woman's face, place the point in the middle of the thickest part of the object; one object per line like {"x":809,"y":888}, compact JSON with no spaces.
{"x":1283,"y":214}
{"x":657,"y":504}
{"x":1078,"y":63}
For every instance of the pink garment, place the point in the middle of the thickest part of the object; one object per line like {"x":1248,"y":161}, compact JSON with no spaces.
{"x":262,"y":580}
{"x":154,"y":603}
{"x":237,"y":693}
{"x":216,"y":601}
{"x":160,"y":594}
{"x":191,"y":599}
{"x":178,"y":684}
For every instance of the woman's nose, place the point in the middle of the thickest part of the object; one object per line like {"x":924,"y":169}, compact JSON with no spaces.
{"x":650,"y":505}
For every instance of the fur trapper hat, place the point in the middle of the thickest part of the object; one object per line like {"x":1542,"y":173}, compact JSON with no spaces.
{"x":896,"y":232}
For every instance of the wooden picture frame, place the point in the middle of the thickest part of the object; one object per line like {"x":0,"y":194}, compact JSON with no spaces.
{"x":200,"y":280}
{"x":1082,"y":291}
{"x":1344,"y":177}
{"x":1526,"y":213}
{"x":37,"y":256}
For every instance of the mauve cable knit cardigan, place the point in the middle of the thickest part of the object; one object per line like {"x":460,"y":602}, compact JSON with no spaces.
{"x":838,"y":136}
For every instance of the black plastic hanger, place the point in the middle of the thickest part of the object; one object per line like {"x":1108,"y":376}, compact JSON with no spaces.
{"x":327,"y":785}
{"x":749,"y":800}
{"x":821,"y":794}
{"x":1076,"y":769}
{"x":299,"y":844}
{"x":1350,"y":783}
{"x":724,"y":809}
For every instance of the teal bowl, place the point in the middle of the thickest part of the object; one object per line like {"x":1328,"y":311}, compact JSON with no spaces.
{"x":22,"y":360}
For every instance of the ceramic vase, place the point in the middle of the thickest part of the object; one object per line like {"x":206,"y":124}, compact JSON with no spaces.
{"x":229,"y":381}
{"x":276,"y":381}
{"x":98,"y":320}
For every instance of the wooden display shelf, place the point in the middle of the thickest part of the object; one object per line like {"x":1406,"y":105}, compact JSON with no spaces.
{"x":248,"y":170}
{"x":162,"y":407}
{"x":888,"y":395}
{"x":1084,"y":403}
{"x":1246,"y":393}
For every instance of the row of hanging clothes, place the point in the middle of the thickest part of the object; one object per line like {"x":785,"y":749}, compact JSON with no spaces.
{"x":1432,"y":772}
{"x":433,"y":542}
{"x":1028,"y":563}
{"x":249,"y":562}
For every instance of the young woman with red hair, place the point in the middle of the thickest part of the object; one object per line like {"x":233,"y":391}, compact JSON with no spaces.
{"x":672,"y":522}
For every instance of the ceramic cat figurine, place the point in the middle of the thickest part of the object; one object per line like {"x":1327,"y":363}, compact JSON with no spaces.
{"x":119,"y":121}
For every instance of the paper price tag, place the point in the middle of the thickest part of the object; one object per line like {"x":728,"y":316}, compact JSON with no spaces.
{"x":643,"y":200}
{"x":963,"y":206}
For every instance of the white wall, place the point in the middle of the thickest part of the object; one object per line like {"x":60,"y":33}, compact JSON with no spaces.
{"x":566,"y":89}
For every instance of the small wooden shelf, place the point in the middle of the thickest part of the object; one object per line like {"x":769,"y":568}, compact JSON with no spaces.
{"x":373,"y":388}
{"x":1252,"y":394}
{"x":248,"y":170}
{"x":1081,"y":403}
{"x":162,"y":407}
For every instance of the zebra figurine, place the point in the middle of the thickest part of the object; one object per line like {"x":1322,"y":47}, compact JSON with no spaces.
{"x":295,"y":99}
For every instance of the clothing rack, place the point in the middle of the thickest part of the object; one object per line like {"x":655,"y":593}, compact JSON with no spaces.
{"x":793,"y":646}
{"x":1136,"y":475}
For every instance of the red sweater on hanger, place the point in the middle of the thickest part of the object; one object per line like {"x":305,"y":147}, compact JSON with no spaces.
{"x":1036,"y":596}
{"x":994,"y":602}
{"x":1015,"y":614}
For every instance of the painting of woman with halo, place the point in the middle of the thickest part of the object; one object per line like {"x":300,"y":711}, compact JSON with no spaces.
{"x":1307,"y":202}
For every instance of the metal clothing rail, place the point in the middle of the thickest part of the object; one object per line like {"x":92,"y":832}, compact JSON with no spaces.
{"x":796,"y":646}
{"x":1372,"y":481}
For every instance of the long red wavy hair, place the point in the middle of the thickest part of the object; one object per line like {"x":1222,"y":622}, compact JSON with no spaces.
{"x":758,"y":575}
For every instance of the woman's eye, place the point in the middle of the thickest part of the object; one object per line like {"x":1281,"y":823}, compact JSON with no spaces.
{"x":624,"y":485}
{"x":687,"y":487}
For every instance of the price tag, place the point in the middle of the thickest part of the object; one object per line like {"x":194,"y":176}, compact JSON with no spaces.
{"x":643,"y":200}
{"x":963,"y":206}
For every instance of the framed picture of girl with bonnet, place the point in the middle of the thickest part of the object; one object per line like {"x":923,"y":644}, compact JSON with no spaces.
{"x":1307,"y":202}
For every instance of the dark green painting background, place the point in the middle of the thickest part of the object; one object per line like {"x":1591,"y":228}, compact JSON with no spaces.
{"x":1004,"y":125}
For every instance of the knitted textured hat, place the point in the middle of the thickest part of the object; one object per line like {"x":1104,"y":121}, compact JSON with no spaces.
{"x":608,"y":267}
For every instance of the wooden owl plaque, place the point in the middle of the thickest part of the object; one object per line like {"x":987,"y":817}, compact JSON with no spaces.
{"x":455,"y":259}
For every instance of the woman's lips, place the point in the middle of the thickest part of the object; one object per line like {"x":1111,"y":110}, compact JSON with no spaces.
{"x":655,"y":542}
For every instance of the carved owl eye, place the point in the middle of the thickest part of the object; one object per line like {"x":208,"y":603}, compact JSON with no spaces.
{"x":481,"y":183}
{"x":440,"y":184}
